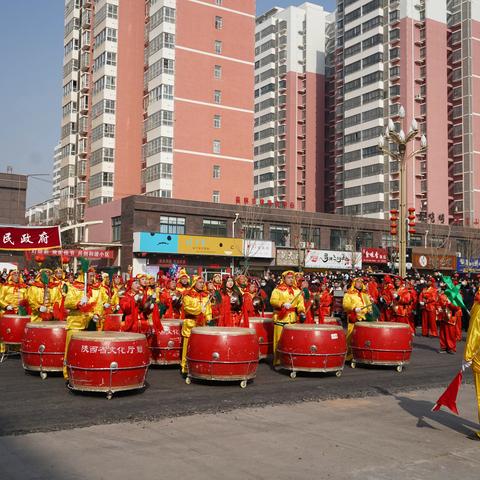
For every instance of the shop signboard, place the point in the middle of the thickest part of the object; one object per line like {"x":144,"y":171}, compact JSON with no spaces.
{"x":288,"y":257}
{"x":374,"y":255}
{"x":468,"y":265}
{"x":28,"y":238}
{"x":332,"y":260}
{"x":150,"y":242}
{"x":426,"y":261}
{"x":199,"y":245}
{"x":258,"y":249}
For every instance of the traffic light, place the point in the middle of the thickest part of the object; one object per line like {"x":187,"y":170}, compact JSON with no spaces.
{"x":411,"y":220}
{"x":393,"y":222}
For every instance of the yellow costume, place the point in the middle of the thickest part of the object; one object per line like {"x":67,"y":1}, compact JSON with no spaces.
{"x":472,"y":350}
{"x":79,"y":316}
{"x":356,"y":304}
{"x":12,"y":294}
{"x":198,"y":311}
{"x":292,"y":297}
{"x":38,"y":296}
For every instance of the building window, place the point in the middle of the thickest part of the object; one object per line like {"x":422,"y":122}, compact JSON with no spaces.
{"x":253,"y":231}
{"x":116,"y":228}
{"x":218,"y":2}
{"x":218,"y":47}
{"x":338,"y":239}
{"x":215,"y":228}
{"x":280,"y":235}
{"x":216,"y":146}
{"x":217,"y":96}
{"x":217,"y":72}
{"x":174,"y":225}
{"x":216,"y":171}
{"x":218,"y":22}
{"x":216,"y":196}
{"x":217,"y":121}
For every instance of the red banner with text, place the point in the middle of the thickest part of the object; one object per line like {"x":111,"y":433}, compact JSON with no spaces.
{"x":29,"y":238}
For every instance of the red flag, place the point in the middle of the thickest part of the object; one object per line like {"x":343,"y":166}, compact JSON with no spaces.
{"x":449,"y":397}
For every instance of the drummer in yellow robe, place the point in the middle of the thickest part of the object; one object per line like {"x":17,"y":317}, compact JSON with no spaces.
{"x":356,"y":304}
{"x":42,"y":295}
{"x":471,"y":354}
{"x":288,"y":307}
{"x":84,"y":305}
{"x":197,"y":310}
{"x":12,"y":295}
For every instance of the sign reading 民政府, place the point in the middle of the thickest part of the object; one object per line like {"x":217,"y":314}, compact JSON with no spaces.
{"x":29,"y":238}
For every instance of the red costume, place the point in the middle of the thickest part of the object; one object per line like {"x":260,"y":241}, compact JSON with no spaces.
{"x":428,"y":301}
{"x":447,"y":324}
{"x":401,"y":300}
{"x":325,"y":305}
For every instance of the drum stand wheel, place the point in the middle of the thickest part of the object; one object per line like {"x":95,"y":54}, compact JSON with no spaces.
{"x":243,"y":384}
{"x":43,"y":375}
{"x":353,"y":364}
{"x":338,"y":373}
{"x":293,"y":374}
{"x":109,"y":395}
{"x":188,"y":380}
{"x":399,"y":368}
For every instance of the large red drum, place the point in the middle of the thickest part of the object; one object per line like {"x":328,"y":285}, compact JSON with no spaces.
{"x":107,"y":361}
{"x":166,"y":346}
{"x":264,"y":329}
{"x":381,"y":343}
{"x":222,"y":353}
{"x":43,"y":347}
{"x":312,"y":348}
{"x":12,"y":328}
{"x":113,"y":322}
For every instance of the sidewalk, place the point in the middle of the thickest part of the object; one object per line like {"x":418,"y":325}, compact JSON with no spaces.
{"x":379,"y":438}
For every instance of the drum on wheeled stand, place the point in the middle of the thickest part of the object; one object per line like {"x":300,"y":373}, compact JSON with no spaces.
{"x":222,"y":354}
{"x":12,"y":331}
{"x":312,"y":348}
{"x":381,"y":343}
{"x":166,"y":346}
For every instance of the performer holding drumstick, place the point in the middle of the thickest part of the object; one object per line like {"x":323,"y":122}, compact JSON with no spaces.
{"x":287,"y":302}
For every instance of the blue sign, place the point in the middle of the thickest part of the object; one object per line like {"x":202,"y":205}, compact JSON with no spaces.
{"x":150,"y":242}
{"x":468,"y":265}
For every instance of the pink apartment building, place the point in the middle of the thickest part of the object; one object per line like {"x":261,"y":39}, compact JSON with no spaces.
{"x":290,"y":106}
{"x":158,"y":99}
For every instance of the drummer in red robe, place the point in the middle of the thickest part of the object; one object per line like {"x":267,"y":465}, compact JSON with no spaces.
{"x":303,"y":285}
{"x":428,"y":303}
{"x":446,"y":316}
{"x":401,"y":301}
{"x":171,"y":299}
{"x":231,"y":307}
{"x":386,"y":299}
{"x":129,"y":305}
{"x":325,"y":301}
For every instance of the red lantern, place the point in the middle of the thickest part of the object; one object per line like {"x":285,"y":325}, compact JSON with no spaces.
{"x":411,"y":230}
{"x":39,"y":258}
{"x":64,"y":259}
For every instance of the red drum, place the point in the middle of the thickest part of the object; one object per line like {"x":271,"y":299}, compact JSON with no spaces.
{"x":264,"y":329}
{"x":107,"y":361}
{"x":43,"y":347}
{"x":312,"y":348}
{"x":166,"y":346}
{"x":222,"y":353}
{"x":113,"y":322}
{"x":381,"y":343}
{"x":12,"y":328}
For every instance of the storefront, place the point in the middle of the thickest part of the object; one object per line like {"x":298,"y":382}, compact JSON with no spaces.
{"x":332,"y":260}
{"x":158,"y":251}
{"x":432,"y":262}
{"x":374,"y":258}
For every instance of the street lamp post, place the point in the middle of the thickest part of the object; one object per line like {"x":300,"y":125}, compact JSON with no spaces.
{"x":400,"y":154}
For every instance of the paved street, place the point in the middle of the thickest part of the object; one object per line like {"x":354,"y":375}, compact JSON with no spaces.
{"x":387,"y":437}
{"x":29,"y":404}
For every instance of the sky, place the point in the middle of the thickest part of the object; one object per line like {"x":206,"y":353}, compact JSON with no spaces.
{"x":31,"y":49}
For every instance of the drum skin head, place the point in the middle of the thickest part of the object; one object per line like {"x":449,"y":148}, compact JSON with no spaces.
{"x":53,"y":324}
{"x":109,"y":336}
{"x":223,"y":331}
{"x":381,"y":325}
{"x":311,"y":326}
